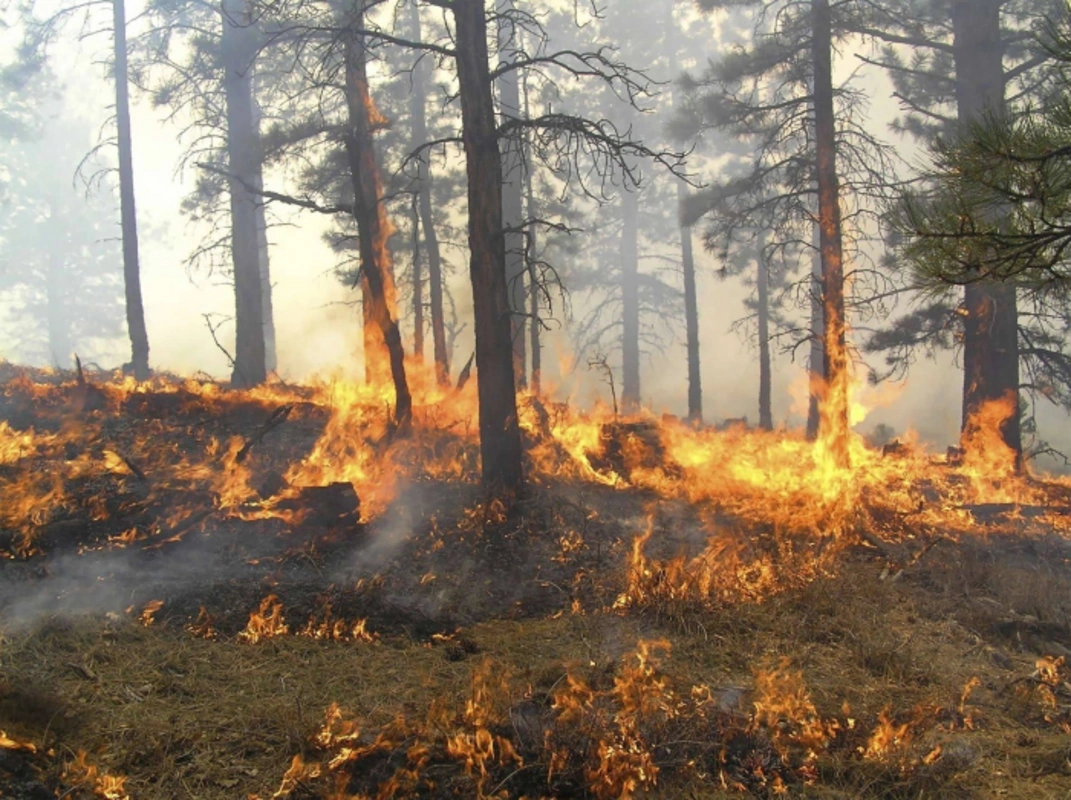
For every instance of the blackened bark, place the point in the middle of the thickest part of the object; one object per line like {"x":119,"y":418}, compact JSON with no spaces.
{"x":630,"y":300}
{"x":835,"y":358}
{"x":762,"y":281}
{"x":238,"y":44}
{"x":513,"y":168}
{"x":135,"y":309}
{"x":991,"y":345}
{"x":372,"y":226}
{"x":271,"y":359}
{"x":418,"y":283}
{"x":816,"y":360}
{"x":535,"y":325}
{"x":418,"y":115}
{"x":691,"y":318}
{"x":500,"y":439}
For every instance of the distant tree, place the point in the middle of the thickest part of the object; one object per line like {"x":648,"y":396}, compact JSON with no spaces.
{"x":40,"y":34}
{"x":203,"y":65}
{"x":814,"y":162}
{"x":62,"y":292}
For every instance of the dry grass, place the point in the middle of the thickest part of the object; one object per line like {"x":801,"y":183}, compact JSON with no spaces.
{"x":187,"y":717}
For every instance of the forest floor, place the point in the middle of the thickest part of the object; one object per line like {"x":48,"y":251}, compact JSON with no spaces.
{"x":155,"y":645}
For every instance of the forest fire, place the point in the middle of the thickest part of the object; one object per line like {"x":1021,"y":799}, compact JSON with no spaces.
{"x":775,"y":478}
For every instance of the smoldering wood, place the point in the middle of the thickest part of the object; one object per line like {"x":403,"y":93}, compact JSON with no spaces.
{"x":277,"y":418}
{"x":332,"y":505}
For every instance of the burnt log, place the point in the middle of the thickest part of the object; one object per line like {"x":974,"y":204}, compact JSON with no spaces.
{"x":733,"y":424}
{"x":893,"y":448}
{"x":330,"y":506}
{"x":628,"y":446}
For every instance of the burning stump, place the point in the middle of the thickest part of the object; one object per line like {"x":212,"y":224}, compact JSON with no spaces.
{"x":331,"y":506}
{"x":627,"y":446}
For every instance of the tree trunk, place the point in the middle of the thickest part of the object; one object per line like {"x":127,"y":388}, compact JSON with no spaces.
{"x":762,"y":281}
{"x":243,"y":155}
{"x":816,"y":362}
{"x":513,"y":169}
{"x":991,"y":343}
{"x":372,"y":225}
{"x":418,"y":115}
{"x":630,"y":300}
{"x":691,"y":317}
{"x":271,"y":359}
{"x":59,"y":326}
{"x":500,"y":438}
{"x":834,"y":430}
{"x":135,"y":310}
{"x":418,"y":284}
{"x":535,"y":325}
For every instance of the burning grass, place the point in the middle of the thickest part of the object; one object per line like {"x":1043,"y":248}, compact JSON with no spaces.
{"x":272,"y":594}
{"x":842,"y":688}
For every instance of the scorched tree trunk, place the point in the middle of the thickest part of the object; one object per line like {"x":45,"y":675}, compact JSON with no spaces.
{"x":135,"y":309}
{"x":372,"y":225}
{"x":991,"y":335}
{"x":239,"y":50}
{"x":500,"y":439}
{"x":835,"y":401}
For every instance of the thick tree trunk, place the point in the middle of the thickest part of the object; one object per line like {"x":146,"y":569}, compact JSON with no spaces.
{"x":418,"y":115}
{"x":59,"y":326}
{"x":816,"y":360}
{"x":991,"y":343}
{"x":834,"y":412}
{"x":271,"y":359}
{"x":535,"y":325}
{"x":762,"y":282}
{"x":513,"y":169}
{"x":135,"y":309}
{"x":691,"y":318}
{"x":630,"y":300}
{"x":372,"y":225}
{"x":243,"y":154}
{"x":500,"y":438}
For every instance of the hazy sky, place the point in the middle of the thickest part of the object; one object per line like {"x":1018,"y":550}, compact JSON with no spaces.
{"x":316,"y":333}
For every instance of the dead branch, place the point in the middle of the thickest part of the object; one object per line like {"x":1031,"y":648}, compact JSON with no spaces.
{"x":277,"y":418}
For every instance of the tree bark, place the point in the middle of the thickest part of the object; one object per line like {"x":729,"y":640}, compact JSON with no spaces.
{"x":271,"y":359}
{"x":630,"y":300}
{"x":135,"y":309}
{"x":762,"y":281}
{"x":513,"y":169}
{"x":418,"y":115}
{"x":991,"y":343}
{"x":59,"y":326}
{"x":816,"y":362}
{"x":834,"y":429}
{"x":418,"y":284}
{"x":243,"y":154}
{"x":500,"y":439}
{"x":691,"y":317}
{"x":535,"y":325}
{"x":373,"y":227}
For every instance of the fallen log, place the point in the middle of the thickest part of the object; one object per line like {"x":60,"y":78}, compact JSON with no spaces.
{"x":626,"y":446}
{"x":983,"y":512}
{"x":327,"y":506}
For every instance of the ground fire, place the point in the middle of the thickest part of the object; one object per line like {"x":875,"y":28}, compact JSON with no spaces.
{"x":295,"y":503}
{"x":818,"y":627}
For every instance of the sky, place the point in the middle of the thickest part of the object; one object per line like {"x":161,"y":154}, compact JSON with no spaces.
{"x":318,"y":333}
